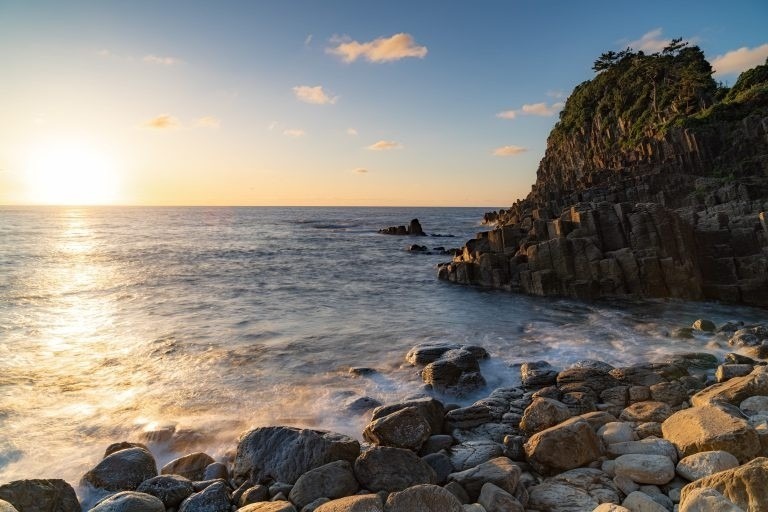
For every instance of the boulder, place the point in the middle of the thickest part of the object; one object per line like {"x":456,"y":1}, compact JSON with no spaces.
{"x":170,"y":489}
{"x":40,"y":495}
{"x":616,"y":432}
{"x":441,"y":465}
{"x":568,"y":445}
{"x":7,"y":507}
{"x":382,"y":468}
{"x":269,"y":506}
{"x":123,"y":470}
{"x":610,"y":507}
{"x":646,"y":469}
{"x":640,"y":502}
{"x":649,"y":446}
{"x":496,"y":499}
{"x":542,"y":414}
{"x":726,"y":372}
{"x":642,"y":412}
{"x":735,"y":390}
{"x":253,"y":494}
{"x":708,"y":500}
{"x":745,"y":485}
{"x":704,"y":325}
{"x":436,"y":443}
{"x":559,"y":497}
{"x":214,"y":498}
{"x":430,"y":409}
{"x":470,"y":454}
{"x":406,"y":428}
{"x":426,"y":353}
{"x":708,"y":428}
{"x":190,"y":466}
{"x":216,"y":471}
{"x":703,"y":464}
{"x":129,"y":501}
{"x":500,"y":471}
{"x":285,"y":453}
{"x":537,"y":374}
{"x":468,"y":417}
{"x":596,"y":483}
{"x":333,"y":480}
{"x":426,"y":498}
{"x":456,"y":372}
{"x":359,"y":503}
{"x":414,"y":228}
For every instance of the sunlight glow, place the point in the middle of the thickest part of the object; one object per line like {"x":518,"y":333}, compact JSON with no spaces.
{"x":70,"y":173}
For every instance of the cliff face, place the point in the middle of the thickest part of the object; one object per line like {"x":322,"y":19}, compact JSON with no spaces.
{"x":654,"y":184}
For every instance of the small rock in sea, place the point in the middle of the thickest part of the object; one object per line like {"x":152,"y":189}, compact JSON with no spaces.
{"x":702,"y":324}
{"x":749,"y":337}
{"x":361,"y":404}
{"x":362,"y":371}
{"x":683,"y":333}
{"x":414,"y":228}
{"x":170,"y":489}
{"x":129,"y":501}
{"x":417,"y":248}
{"x":537,"y":374}
{"x":405,"y":428}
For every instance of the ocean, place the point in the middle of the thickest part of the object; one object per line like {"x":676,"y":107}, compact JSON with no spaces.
{"x":118,"y":321}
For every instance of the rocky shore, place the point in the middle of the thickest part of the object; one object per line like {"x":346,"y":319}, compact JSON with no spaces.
{"x":687,"y":434}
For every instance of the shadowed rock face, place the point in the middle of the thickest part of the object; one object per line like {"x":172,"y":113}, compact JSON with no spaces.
{"x":675,"y":207}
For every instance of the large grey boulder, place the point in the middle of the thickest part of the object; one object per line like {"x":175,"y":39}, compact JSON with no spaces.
{"x":430,"y":409}
{"x":123,"y":470}
{"x":40,"y":495}
{"x":392,"y":469}
{"x":214,"y":498}
{"x":406,"y":428}
{"x":171,"y":489}
{"x":283,"y":454}
{"x":702,"y":464}
{"x":333,"y":480}
{"x":424,"y":498}
{"x":129,"y":501}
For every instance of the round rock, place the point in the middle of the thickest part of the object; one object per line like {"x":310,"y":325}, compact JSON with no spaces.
{"x":123,"y":470}
{"x":129,"y":501}
{"x":704,"y":464}
{"x":170,"y":489}
{"x":646,"y":469}
{"x":392,"y":469}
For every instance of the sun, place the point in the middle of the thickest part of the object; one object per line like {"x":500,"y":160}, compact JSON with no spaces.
{"x":70,"y":173}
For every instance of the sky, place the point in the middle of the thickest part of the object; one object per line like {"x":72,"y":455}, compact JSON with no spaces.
{"x":412,"y":103}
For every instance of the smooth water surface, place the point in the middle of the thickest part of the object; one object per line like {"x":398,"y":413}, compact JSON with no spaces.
{"x":117,"y":321}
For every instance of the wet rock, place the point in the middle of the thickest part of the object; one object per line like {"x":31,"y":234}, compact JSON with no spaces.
{"x":468,"y":417}
{"x":568,"y":445}
{"x":129,"y":501}
{"x":311,"y":507}
{"x":694,"y":360}
{"x":417,"y":248}
{"x":406,"y":428}
{"x":496,"y":499}
{"x":735,"y":390}
{"x":499,"y":471}
{"x":646,"y":469}
{"x":426,"y":498}
{"x":253,"y":494}
{"x":432,"y":410}
{"x":683,"y":333}
{"x":360,"y":503}
{"x":392,"y":469}
{"x":426,"y":353}
{"x":468,"y":455}
{"x":641,"y":502}
{"x":703,"y":464}
{"x":440,"y":464}
{"x":436,"y":443}
{"x":598,"y":379}
{"x":745,"y":485}
{"x":170,"y":489}
{"x":457,"y":371}
{"x":749,"y":337}
{"x":708,"y":500}
{"x":214,"y":498}
{"x":537,"y":374}
{"x":122,"y":445}
{"x":646,"y":411}
{"x":269,"y":506}
{"x":40,"y":495}
{"x":333,"y":480}
{"x":216,"y":471}
{"x":122,"y":471}
{"x":671,"y":393}
{"x":286,"y":453}
{"x":708,"y":428}
{"x":542,"y":414}
{"x":362,"y":371}
{"x":361,"y":404}
{"x":704,"y":325}
{"x":190,"y":466}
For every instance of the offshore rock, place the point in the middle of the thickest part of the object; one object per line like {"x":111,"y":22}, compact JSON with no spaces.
{"x":283,"y":454}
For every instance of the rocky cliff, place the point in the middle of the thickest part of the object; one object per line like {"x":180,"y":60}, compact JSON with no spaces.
{"x":654,"y":184}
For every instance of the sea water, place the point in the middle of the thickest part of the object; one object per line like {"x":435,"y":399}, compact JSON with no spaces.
{"x":117,"y":321}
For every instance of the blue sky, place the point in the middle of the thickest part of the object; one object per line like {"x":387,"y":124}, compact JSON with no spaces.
{"x":249,"y":103}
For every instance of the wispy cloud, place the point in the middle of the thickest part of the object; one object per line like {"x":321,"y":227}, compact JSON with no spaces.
{"x":272,"y":126}
{"x":308,"y":40}
{"x":651,"y":41}
{"x":294,"y":132}
{"x":208,"y":122}
{"x":314,"y":94}
{"x":163,"y":61}
{"x":385,"y":145}
{"x":352,"y":132}
{"x":740,"y":60}
{"x":557,"y":94}
{"x":382,"y":49}
{"x":532,"y":109}
{"x":360,"y":170}
{"x":509,"y":150}
{"x":162,"y":122}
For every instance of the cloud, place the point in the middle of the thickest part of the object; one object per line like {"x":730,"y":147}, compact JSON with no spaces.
{"x":532,"y":109}
{"x":104,"y":53}
{"x":557,"y":94}
{"x":385,"y":145}
{"x":360,"y":170}
{"x":272,"y":126}
{"x":315,"y":95}
{"x":163,"y":61}
{"x":294,"y":132}
{"x":383,"y":49}
{"x":650,"y":42}
{"x":308,"y":40}
{"x":162,"y":122}
{"x":740,"y":60}
{"x":352,"y":132}
{"x":208,"y":122}
{"x":509,"y":150}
